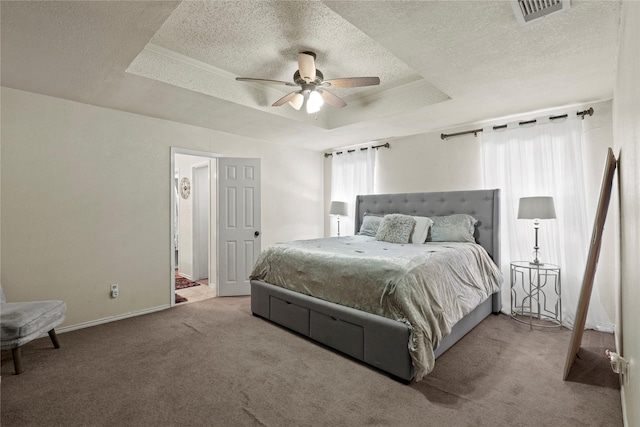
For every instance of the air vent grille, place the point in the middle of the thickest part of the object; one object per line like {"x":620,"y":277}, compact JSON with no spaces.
{"x":529,"y":10}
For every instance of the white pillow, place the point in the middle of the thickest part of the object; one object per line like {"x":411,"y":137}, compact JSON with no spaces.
{"x":421,"y":230}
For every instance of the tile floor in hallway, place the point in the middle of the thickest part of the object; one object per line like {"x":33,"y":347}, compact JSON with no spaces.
{"x":198,"y":293}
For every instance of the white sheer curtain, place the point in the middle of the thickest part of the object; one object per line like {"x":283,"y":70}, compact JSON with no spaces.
{"x":544,"y":160}
{"x":351,"y":174}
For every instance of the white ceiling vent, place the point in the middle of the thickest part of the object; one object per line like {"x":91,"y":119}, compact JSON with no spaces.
{"x":527,"y":11}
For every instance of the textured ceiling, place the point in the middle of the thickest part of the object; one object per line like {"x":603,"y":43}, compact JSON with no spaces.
{"x":203,"y":46}
{"x":441,"y":63}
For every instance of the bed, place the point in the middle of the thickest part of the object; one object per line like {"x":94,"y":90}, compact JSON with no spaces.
{"x":382,"y":340}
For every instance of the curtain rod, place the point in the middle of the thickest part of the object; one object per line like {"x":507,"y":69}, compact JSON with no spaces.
{"x":528,"y":122}
{"x":385,"y":145}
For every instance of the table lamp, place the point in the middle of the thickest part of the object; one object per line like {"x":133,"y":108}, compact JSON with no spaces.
{"x":338,"y":209}
{"x":536,"y":208}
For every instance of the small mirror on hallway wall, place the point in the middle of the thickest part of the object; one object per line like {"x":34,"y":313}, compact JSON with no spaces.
{"x":592,"y":262}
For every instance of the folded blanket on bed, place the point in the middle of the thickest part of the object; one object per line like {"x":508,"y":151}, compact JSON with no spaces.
{"x":430,"y":286}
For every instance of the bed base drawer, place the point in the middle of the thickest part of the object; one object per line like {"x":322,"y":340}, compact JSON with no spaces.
{"x":338,"y":334}
{"x":375,"y":340}
{"x":289,"y":315}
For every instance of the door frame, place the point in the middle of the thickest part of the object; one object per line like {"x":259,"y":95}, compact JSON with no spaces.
{"x":189,"y":152}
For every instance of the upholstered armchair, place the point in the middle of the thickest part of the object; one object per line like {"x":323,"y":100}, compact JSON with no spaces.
{"x":21,"y":322}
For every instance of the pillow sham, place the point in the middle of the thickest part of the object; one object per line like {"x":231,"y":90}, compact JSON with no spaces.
{"x":395,"y":228}
{"x":453,"y":228}
{"x":370,"y":225}
{"x":421,"y":229}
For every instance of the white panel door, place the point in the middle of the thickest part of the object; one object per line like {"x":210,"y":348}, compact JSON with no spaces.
{"x":238,"y":223}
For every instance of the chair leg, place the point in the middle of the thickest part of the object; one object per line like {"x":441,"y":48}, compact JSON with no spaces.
{"x":54,"y":338}
{"x":17,"y":352}
{"x":17,"y":359}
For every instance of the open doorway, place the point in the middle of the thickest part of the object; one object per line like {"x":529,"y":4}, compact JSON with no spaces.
{"x":222,"y":232}
{"x":193,"y":261}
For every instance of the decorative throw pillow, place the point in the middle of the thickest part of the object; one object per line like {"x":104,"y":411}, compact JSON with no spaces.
{"x":421,"y":230}
{"x":452,"y":228}
{"x":395,"y":228}
{"x":370,"y":225}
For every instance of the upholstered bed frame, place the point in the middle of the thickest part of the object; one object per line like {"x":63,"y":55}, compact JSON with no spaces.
{"x":376,"y":340}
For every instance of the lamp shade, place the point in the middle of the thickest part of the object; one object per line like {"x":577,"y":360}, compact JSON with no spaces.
{"x":338,"y":208}
{"x":540,"y":207}
{"x":297,"y":100}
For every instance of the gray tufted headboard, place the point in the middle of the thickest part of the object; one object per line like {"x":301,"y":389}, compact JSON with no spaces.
{"x":483,"y":205}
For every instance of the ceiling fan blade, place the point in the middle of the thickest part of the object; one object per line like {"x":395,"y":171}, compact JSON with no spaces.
{"x":271,"y":82}
{"x":353,"y":82}
{"x":288,"y":97}
{"x":332,"y":99}
{"x":307,"y":66}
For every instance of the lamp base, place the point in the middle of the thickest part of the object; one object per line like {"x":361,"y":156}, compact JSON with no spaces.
{"x":536,"y":248}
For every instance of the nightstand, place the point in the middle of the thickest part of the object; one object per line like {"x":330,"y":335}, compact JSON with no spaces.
{"x":536,"y":293}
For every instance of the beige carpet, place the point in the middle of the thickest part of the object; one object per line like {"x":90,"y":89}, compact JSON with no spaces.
{"x":212,"y":363}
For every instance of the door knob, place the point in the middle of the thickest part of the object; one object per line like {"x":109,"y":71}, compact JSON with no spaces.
{"x":257,"y":233}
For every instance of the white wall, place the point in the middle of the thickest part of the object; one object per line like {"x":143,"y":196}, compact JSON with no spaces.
{"x":427,"y":163}
{"x":183,"y":165}
{"x":86,"y":201}
{"x":626,"y":115}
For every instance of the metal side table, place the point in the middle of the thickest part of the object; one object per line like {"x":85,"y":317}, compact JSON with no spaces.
{"x":536,"y":293}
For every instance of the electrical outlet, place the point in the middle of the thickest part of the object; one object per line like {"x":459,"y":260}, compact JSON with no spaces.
{"x":114,"y":290}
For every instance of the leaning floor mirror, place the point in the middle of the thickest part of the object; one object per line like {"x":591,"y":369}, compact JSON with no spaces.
{"x":592,"y":262}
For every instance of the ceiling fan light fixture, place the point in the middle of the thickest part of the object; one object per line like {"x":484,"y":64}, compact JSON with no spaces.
{"x":312,"y":84}
{"x":314,"y":102}
{"x":296,"y":101}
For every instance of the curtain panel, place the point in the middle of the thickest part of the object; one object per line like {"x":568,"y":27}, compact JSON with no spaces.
{"x":544,"y":160}
{"x":352,"y":174}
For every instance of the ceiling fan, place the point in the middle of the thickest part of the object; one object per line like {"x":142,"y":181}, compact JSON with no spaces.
{"x":313,"y":87}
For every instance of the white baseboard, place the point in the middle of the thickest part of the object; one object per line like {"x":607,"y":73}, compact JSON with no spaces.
{"x":110,"y":319}
{"x":606,"y":327}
